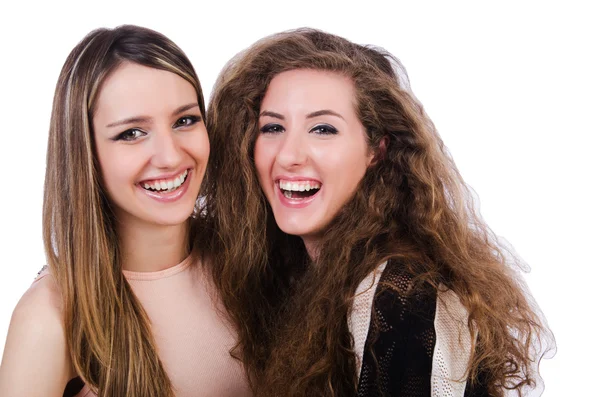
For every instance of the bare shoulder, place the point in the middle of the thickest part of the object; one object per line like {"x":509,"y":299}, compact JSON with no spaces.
{"x":36,"y":360}
{"x":39,"y":304}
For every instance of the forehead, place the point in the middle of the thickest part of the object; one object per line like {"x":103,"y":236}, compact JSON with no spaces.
{"x":134,"y":89}
{"x":303,"y":88}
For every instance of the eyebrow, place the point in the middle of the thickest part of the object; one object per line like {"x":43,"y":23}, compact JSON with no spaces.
{"x":147,"y":119}
{"x":130,"y":120}
{"x":271,"y":114}
{"x":324,"y":112}
{"x":183,"y":108}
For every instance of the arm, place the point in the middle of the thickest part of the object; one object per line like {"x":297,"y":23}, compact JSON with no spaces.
{"x":36,"y":360}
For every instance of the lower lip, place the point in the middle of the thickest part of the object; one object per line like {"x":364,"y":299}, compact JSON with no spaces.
{"x":295,"y":203}
{"x":170,"y":196}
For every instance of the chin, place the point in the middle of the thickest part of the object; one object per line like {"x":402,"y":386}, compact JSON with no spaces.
{"x":295,"y":229}
{"x":170,"y":222}
{"x":171,"y":219}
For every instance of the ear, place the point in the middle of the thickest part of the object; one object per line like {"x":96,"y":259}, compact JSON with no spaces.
{"x":381,"y":151}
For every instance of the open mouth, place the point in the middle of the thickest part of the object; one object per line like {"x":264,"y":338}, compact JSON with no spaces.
{"x":298,"y":190}
{"x":165,"y":185}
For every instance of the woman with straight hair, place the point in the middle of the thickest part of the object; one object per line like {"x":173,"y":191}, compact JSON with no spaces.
{"x":125,"y":306}
{"x":351,"y":255}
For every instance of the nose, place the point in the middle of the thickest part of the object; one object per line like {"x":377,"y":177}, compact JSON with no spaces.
{"x":292,"y":150}
{"x":167,"y":152}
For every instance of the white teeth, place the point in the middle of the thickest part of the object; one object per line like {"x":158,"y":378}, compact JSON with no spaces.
{"x":167,"y":185}
{"x":298,"y":186}
{"x":179,"y":180}
{"x":287,"y":194}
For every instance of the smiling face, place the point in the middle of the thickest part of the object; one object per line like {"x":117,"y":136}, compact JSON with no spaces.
{"x":151,"y":143}
{"x":311,"y":151}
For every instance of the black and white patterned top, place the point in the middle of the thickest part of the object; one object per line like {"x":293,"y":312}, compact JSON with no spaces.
{"x":410,"y":345}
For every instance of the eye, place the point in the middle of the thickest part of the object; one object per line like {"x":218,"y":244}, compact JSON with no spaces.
{"x":129,"y":135}
{"x":272,"y":128}
{"x":324,"y":129}
{"x":186,"y":121}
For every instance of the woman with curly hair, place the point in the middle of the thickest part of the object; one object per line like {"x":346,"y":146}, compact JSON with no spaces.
{"x":348,"y":248}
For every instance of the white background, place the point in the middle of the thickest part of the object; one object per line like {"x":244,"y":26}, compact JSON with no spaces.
{"x":513,"y":89}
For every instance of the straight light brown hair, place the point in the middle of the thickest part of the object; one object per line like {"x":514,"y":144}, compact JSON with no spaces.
{"x":108,"y":333}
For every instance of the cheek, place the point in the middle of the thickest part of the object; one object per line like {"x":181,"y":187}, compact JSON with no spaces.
{"x":346,"y":168}
{"x":115,"y":167}
{"x":263,"y":159}
{"x":118,"y":174}
{"x":202,"y":151}
{"x":197,"y":145}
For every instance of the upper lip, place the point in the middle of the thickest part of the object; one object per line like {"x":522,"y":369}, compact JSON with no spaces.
{"x":170,"y":175}
{"x":295,"y":178}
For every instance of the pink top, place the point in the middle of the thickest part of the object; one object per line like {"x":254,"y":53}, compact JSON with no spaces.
{"x":192,"y":336}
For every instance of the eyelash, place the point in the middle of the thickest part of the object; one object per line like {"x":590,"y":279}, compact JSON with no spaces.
{"x":325,"y":129}
{"x":123,"y":136}
{"x":269,"y":128}
{"x":193,"y":120}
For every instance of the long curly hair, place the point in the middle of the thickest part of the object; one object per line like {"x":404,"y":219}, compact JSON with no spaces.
{"x":412,"y":206}
{"x":108,"y":332}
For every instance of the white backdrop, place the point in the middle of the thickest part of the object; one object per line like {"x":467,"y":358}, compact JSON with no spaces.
{"x":513,"y":89}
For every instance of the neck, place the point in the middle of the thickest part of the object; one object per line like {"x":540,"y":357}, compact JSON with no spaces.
{"x":151,"y":248}
{"x":311,"y":245}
